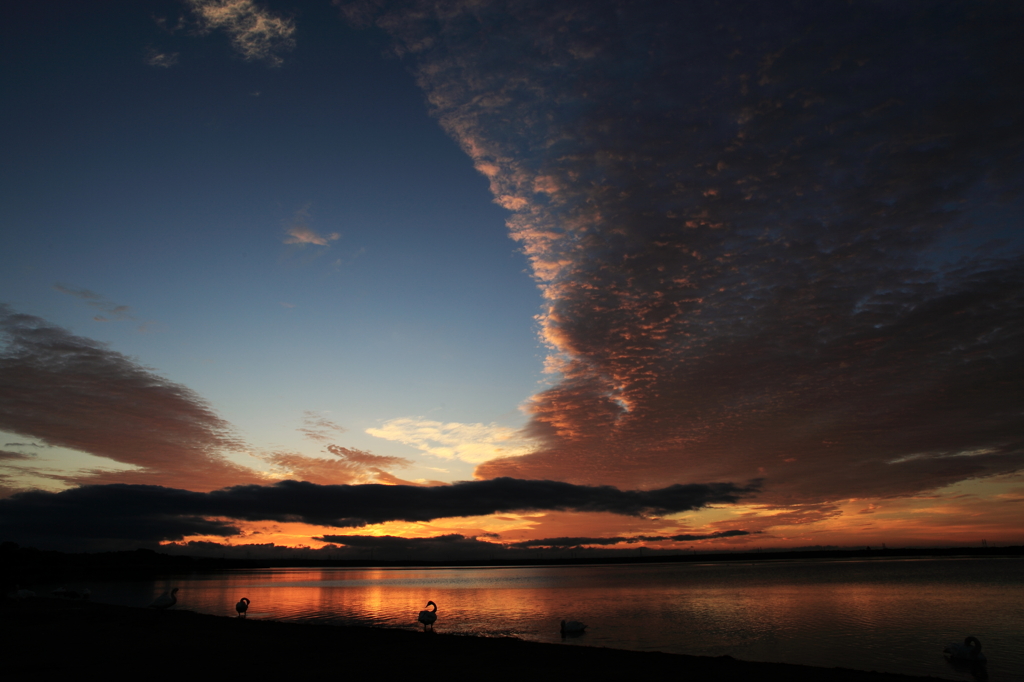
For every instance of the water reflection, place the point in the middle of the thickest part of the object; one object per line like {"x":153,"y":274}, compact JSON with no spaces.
{"x":893,"y":616}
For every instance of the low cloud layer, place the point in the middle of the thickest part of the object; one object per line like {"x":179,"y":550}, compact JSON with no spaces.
{"x":569,"y":543}
{"x":772,"y":239}
{"x":141,"y":513}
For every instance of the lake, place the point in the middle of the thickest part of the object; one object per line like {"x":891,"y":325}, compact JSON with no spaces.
{"x":889,"y":615}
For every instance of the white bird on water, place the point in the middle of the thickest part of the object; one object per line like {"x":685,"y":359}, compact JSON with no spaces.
{"x":969,"y":651}
{"x":242,"y":606}
{"x":428,"y":617}
{"x":165,"y":600}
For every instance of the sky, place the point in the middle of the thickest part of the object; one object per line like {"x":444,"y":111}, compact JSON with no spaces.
{"x":477,"y":276}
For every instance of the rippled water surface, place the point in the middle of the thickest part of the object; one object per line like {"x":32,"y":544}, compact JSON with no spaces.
{"x":889,"y":615}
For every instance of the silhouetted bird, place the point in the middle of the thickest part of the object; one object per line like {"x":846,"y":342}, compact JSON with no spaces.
{"x":573,"y":627}
{"x":428,"y":617}
{"x":242,"y":606}
{"x":165,"y":600}
{"x":969,"y":651}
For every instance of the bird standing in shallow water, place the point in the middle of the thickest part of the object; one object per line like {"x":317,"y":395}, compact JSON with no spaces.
{"x":242,"y":606}
{"x":428,"y":617}
{"x":165,"y":600}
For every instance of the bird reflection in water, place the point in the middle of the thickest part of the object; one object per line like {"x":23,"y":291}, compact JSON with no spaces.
{"x":165,"y":600}
{"x":242,"y":606}
{"x":967,"y":658}
{"x":572,"y":628}
{"x":428,"y":617}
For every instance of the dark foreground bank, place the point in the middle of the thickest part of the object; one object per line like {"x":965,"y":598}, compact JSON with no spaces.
{"x":43,"y":636}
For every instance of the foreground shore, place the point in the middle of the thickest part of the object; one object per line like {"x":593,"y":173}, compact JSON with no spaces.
{"x":51,"y":635}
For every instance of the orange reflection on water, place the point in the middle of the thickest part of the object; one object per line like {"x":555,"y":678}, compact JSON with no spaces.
{"x":883,"y":614}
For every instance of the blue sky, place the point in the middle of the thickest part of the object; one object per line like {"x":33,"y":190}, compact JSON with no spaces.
{"x":171,"y":190}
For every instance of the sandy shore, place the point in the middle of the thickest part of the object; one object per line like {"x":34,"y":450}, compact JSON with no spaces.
{"x":51,"y":635}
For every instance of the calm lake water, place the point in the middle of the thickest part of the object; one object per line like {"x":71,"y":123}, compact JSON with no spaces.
{"x":887,"y":615}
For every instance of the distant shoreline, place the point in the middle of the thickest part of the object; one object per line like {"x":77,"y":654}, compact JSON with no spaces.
{"x":120,"y":640}
{"x":28,"y":566}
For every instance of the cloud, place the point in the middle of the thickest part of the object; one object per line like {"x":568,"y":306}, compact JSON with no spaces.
{"x":98,"y":516}
{"x":300,"y":234}
{"x":318,"y":427}
{"x":255,"y":33}
{"x":473,"y":443}
{"x":452,"y":546}
{"x":110,"y":310}
{"x":366,"y":458}
{"x":567,"y":543}
{"x":764,"y":237}
{"x":351,"y":466}
{"x":152,"y":513}
{"x":73,"y":392}
{"x":163,"y":60}
{"x":9,"y":455}
{"x":299,"y":231}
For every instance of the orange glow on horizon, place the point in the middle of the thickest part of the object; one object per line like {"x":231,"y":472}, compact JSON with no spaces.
{"x":965,"y":513}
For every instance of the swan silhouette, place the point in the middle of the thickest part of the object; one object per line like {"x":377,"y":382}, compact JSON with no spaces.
{"x":242,"y":606}
{"x":573,"y":627}
{"x":165,"y":600}
{"x":969,"y":651}
{"x":428,"y":617}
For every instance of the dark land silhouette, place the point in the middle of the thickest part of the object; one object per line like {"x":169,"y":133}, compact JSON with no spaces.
{"x":27,"y":566}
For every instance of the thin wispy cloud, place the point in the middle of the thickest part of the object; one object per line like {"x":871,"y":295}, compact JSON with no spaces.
{"x":299,"y":231}
{"x":164,"y":60}
{"x":109,"y":310}
{"x":301,"y":234}
{"x":316,"y":426}
{"x":255,"y":33}
{"x":347,"y":466}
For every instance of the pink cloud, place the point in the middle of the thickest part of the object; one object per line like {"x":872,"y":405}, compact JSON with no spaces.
{"x":300,"y":234}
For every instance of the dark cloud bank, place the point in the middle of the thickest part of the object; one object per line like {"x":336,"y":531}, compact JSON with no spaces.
{"x":777,"y":239}
{"x":95,"y":515}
